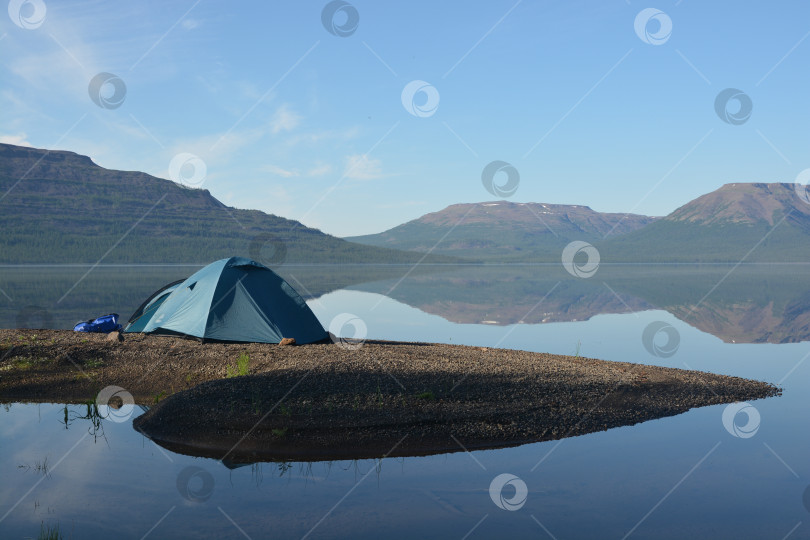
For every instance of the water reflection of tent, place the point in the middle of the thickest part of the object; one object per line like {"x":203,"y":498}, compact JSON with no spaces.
{"x":234,"y":299}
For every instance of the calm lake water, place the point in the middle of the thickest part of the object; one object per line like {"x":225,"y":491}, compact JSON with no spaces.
{"x":690,"y":475}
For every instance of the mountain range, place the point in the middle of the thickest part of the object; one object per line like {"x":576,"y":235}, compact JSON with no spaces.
{"x":738,"y":222}
{"x":60,"y":207}
{"x":504,"y":230}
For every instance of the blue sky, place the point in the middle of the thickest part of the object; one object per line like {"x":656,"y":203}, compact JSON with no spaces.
{"x":290,"y":119}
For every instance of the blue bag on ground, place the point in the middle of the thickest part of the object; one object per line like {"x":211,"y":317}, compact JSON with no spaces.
{"x":105,"y":323}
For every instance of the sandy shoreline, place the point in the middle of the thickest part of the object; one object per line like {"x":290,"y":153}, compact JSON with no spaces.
{"x":323,"y":401}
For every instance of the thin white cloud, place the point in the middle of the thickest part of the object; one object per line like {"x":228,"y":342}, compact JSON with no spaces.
{"x":362,"y":167}
{"x":319,"y":170}
{"x":218,"y":146}
{"x":19,"y":140}
{"x":190,"y":24}
{"x":285,"y":119}
{"x":278,"y":171}
{"x":20,"y":110}
{"x":41,"y":74}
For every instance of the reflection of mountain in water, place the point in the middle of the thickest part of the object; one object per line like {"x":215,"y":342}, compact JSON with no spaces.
{"x":751,"y":304}
{"x":750,"y":323}
{"x":507,"y":295}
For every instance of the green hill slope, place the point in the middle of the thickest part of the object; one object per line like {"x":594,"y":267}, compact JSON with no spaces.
{"x":752,"y":222}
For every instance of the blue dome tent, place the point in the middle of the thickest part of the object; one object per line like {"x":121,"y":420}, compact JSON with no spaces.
{"x":234,"y":299}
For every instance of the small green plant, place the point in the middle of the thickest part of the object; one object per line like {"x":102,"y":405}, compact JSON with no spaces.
{"x":78,"y":376}
{"x":283,"y":409}
{"x":427,"y":395}
{"x":93,"y":363}
{"x":579,"y":346}
{"x":242,"y":367}
{"x":243,"y":364}
{"x":27,"y":362}
{"x":46,"y":532}
{"x":159,"y":396}
{"x":279,"y":432}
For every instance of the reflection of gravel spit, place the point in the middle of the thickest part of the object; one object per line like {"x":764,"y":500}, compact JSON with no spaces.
{"x":347,"y":403}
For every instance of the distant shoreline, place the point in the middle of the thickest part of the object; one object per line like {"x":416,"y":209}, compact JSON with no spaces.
{"x":324,"y":401}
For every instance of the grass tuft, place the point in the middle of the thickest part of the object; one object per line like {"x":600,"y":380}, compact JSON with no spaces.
{"x":46,"y":532}
{"x":93,"y":362}
{"x":242,"y":367}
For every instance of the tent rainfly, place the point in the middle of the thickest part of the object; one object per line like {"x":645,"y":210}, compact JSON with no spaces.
{"x":235,"y":299}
